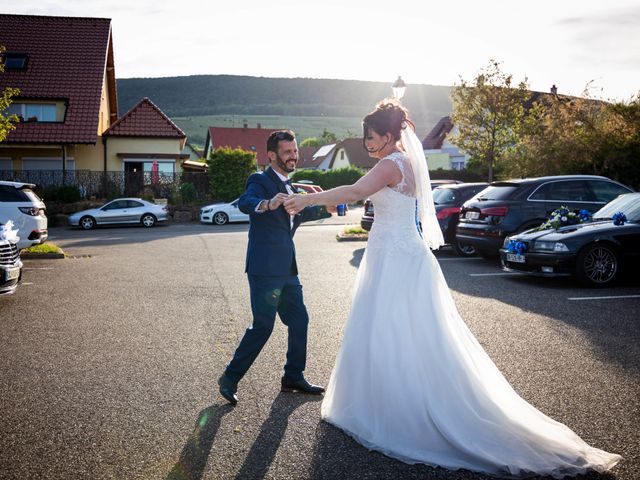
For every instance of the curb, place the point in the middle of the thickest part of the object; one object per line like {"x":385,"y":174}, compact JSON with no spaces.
{"x":355,"y":237}
{"x":41,"y":256}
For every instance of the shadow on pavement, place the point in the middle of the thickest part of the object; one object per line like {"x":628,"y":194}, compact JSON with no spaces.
{"x":264,"y":449}
{"x":337,"y":455}
{"x":194,"y":455}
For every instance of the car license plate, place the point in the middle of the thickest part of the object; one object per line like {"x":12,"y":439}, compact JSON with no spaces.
{"x":12,"y":274}
{"x":472,"y":215}
{"x":512,"y":257}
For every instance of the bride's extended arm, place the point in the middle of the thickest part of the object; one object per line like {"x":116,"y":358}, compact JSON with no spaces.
{"x":384,"y":173}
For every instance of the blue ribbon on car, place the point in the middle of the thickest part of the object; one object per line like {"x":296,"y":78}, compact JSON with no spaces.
{"x":619,"y":218}
{"x":517,"y":247}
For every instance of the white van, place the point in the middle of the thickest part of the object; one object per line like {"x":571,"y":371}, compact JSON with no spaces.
{"x":21,"y":205}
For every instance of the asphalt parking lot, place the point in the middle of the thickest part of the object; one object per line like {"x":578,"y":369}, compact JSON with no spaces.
{"x":110,"y":359}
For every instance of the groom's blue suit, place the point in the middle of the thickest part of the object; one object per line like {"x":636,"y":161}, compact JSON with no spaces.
{"x":273,"y":279}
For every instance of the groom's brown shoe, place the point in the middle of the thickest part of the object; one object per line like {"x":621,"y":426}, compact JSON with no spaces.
{"x":228,"y":389}
{"x":301,"y":386}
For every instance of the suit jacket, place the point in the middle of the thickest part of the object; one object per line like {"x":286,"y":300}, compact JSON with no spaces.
{"x":271,"y":250}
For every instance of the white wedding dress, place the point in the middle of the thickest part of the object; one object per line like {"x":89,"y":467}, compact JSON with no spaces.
{"x":411,"y":380}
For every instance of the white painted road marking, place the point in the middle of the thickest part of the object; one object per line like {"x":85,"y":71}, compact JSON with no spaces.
{"x":610,"y":297}
{"x":493,"y":274}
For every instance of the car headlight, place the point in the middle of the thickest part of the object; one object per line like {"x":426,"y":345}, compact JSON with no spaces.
{"x":546,"y":246}
{"x":506,"y":241}
{"x":207,"y":210}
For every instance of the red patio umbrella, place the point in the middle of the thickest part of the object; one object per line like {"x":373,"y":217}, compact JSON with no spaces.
{"x":155,"y":177}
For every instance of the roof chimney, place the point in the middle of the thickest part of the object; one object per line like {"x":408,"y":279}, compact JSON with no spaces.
{"x":259,"y":126}
{"x":554,"y":89}
{"x":245,"y":124}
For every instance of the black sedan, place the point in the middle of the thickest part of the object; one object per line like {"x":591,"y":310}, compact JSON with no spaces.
{"x":448,"y":200}
{"x":595,"y":252}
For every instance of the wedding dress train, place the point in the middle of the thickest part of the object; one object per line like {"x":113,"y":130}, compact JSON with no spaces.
{"x":411,"y":380}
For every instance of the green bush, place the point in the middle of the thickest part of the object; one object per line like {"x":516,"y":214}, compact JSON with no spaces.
{"x":330,"y":178}
{"x":66,"y":194}
{"x":188,"y":192}
{"x":228,"y":171}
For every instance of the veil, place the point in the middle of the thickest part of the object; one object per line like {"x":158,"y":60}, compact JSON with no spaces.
{"x":431,"y":232}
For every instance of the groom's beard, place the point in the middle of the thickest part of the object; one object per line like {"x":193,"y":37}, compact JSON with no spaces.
{"x":283,"y":165}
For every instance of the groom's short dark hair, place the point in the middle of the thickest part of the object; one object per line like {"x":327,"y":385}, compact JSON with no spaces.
{"x":276,"y":137}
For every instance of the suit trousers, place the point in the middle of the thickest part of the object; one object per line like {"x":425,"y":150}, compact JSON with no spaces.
{"x":271,"y":295}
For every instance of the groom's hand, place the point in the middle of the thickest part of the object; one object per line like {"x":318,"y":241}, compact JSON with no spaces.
{"x":295,"y":203}
{"x":275,"y":202}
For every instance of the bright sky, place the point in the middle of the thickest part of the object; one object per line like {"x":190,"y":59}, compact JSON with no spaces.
{"x":562,"y":42}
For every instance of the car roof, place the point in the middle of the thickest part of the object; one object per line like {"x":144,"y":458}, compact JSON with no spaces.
{"x":461,"y":186}
{"x":17,"y":184}
{"x":550,"y":178}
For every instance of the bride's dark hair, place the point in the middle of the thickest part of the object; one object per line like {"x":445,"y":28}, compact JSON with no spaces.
{"x":388,"y":116}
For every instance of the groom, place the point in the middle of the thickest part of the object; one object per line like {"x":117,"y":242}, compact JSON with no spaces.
{"x":272,"y":270}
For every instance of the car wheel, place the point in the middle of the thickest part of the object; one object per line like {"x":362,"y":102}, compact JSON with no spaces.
{"x":598,"y":265}
{"x":220,"y":218}
{"x":463,"y":249}
{"x":148,"y":220}
{"x":87,"y":222}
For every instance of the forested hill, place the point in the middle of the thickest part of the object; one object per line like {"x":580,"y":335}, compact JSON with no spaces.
{"x":230,"y":94}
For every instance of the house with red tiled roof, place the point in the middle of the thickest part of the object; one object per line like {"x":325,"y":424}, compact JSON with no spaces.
{"x":64,"y":69}
{"x":67,"y":103}
{"x":346,"y":153}
{"x":439,"y":150}
{"x":142,"y":136}
{"x":249,"y":139}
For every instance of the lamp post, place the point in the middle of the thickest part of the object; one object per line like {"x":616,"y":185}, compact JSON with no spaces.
{"x":398,"y":88}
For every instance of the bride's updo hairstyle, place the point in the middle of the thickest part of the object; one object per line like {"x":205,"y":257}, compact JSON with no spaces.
{"x":388,"y":117}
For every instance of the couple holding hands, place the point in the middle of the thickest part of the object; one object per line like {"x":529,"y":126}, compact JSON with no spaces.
{"x":410,"y":380}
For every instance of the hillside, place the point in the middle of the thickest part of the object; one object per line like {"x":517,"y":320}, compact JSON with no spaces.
{"x":227,"y":96}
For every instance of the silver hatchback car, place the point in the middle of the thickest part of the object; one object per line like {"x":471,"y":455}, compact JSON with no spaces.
{"x":121,"y":211}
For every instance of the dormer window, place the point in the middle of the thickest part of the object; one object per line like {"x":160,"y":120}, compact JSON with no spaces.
{"x":15,"y":61}
{"x":34,"y":111}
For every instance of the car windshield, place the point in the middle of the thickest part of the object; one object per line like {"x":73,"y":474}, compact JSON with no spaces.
{"x":443,"y":195}
{"x":629,"y":204}
{"x":497,"y":191}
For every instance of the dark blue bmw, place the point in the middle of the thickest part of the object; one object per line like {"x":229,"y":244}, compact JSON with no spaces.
{"x":595,"y":253}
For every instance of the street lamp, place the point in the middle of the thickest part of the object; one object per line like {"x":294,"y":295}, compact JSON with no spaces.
{"x":398,"y":88}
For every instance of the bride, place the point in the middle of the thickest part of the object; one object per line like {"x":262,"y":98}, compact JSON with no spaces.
{"x":410,"y":380}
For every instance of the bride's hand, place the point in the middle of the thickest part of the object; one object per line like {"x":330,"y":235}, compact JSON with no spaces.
{"x":295,"y":204}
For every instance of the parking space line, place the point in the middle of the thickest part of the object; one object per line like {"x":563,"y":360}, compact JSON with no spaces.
{"x":26,"y":283}
{"x":493,"y":274}
{"x":38,"y":268}
{"x":608,"y":297}
{"x":460,"y":258}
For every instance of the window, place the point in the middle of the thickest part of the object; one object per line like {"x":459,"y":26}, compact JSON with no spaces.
{"x":606,"y":191}
{"x":15,"y":61}
{"x":570,"y":190}
{"x":117,"y":205}
{"x":134,"y":204}
{"x":9,"y":193}
{"x":37,"y":112}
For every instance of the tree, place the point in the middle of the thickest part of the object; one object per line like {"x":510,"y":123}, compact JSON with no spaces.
{"x":313,"y":142}
{"x":488,"y":113}
{"x":565,"y":135}
{"x":6,"y":121}
{"x":228,"y":171}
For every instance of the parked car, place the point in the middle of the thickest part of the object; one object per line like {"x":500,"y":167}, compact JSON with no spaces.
{"x":10,"y":264}
{"x":513,"y":206}
{"x":120,"y":211}
{"x":306,"y":187}
{"x":448,"y":200}
{"x":222,"y":213}
{"x":367,"y":216}
{"x":25,"y":209}
{"x":595,"y":253}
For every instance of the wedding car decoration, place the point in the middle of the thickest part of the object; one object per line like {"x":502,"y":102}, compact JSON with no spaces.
{"x":562,"y":217}
{"x":8,"y":234}
{"x":517,"y":247}
{"x":619,"y":218}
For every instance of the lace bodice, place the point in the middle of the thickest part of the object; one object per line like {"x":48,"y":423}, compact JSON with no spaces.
{"x":394,"y":228}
